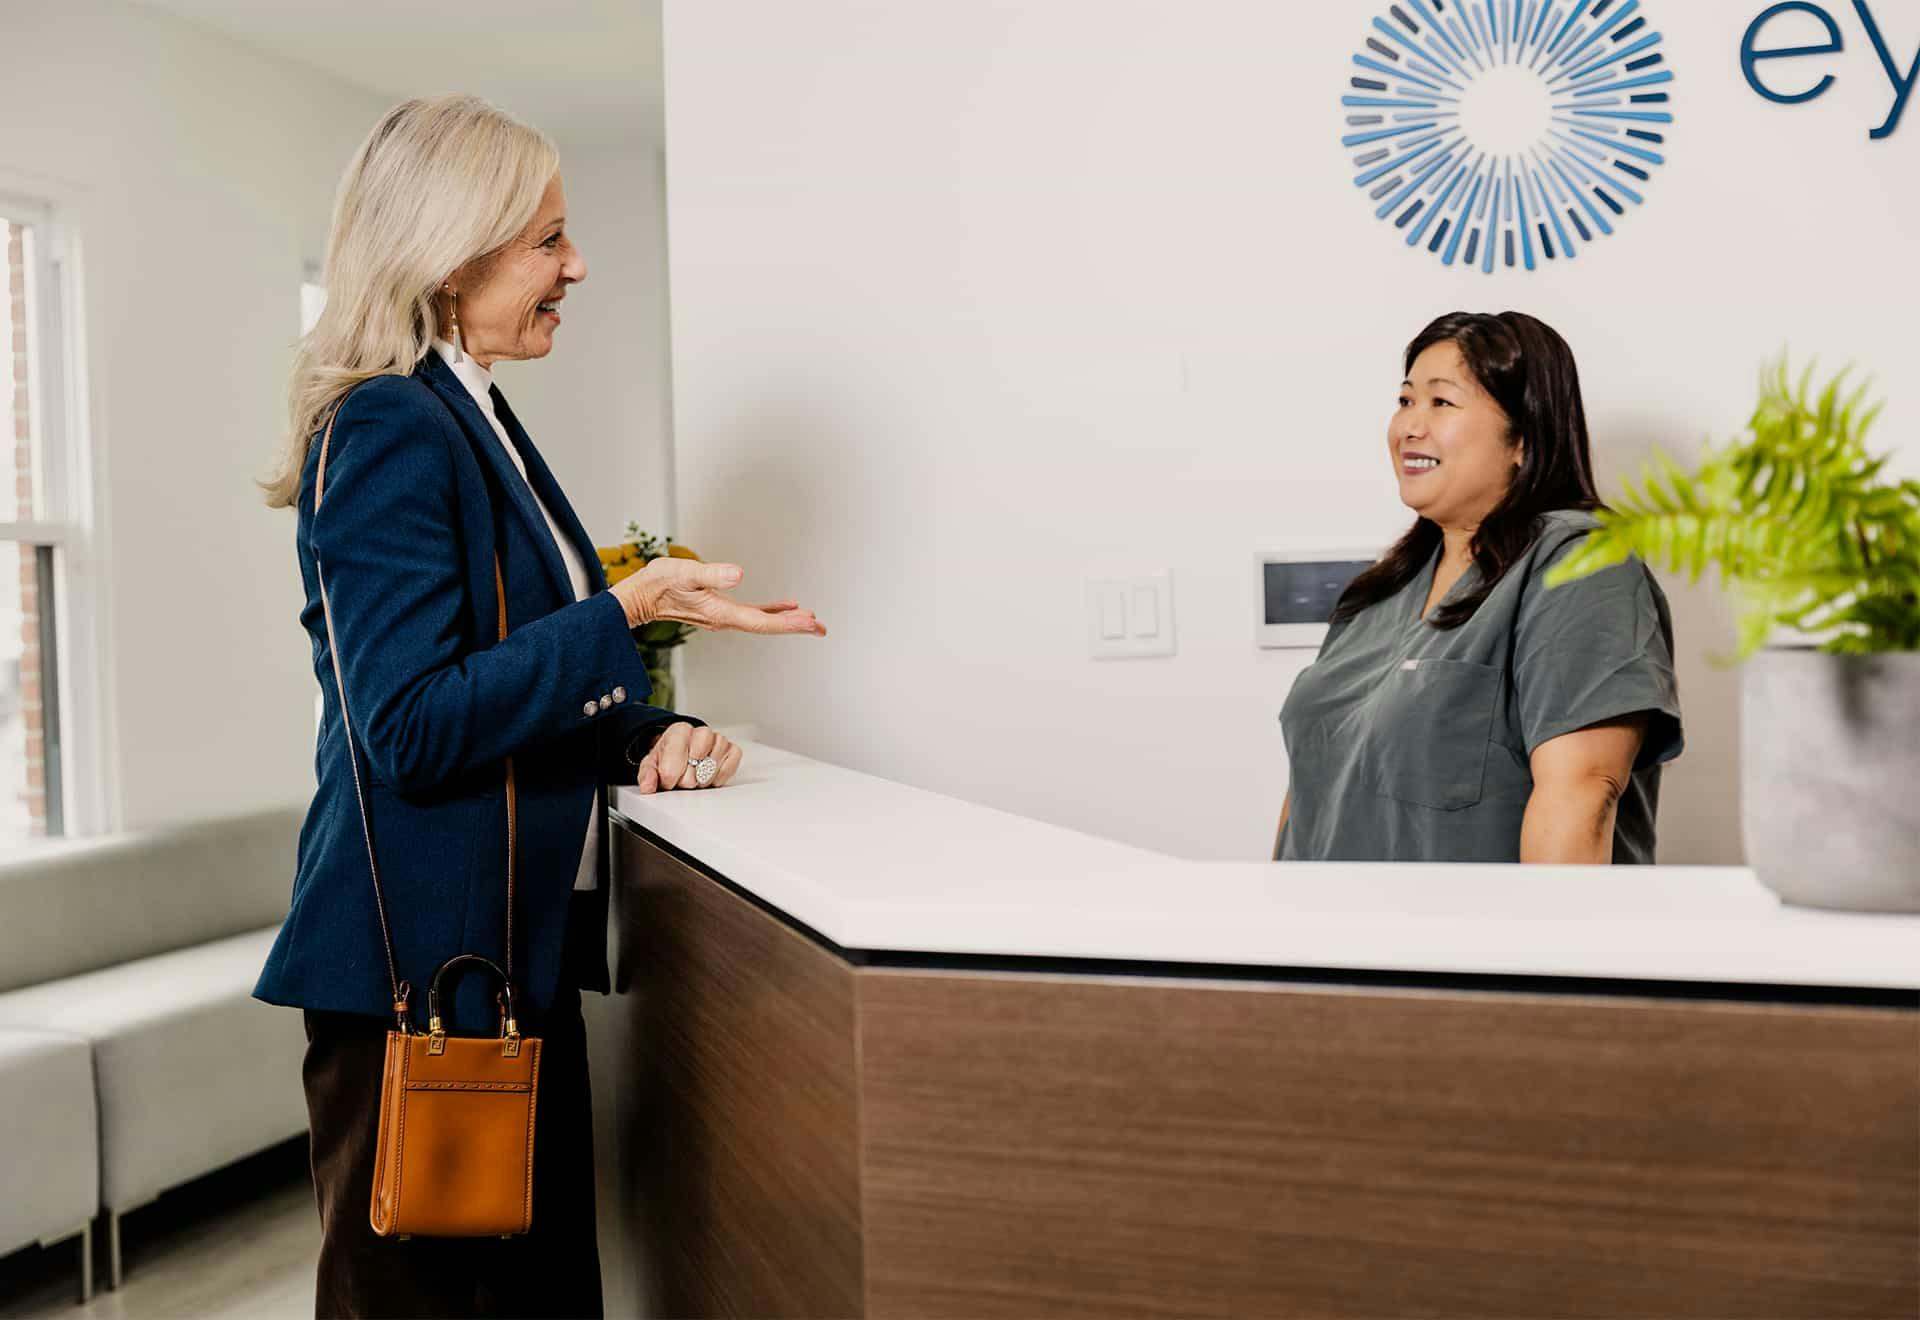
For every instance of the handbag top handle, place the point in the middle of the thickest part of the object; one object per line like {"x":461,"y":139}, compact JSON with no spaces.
{"x":402,"y":991}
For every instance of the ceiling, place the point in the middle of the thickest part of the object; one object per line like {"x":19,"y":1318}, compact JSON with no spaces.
{"x":588,"y":72}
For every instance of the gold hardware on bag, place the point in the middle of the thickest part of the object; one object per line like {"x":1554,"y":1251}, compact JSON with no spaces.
{"x":469,"y":1106}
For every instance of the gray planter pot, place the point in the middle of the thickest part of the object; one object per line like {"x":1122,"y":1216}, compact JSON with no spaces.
{"x":1830,"y":777}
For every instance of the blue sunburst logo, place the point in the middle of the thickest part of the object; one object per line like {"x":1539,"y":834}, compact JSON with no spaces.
{"x":1507,"y":132}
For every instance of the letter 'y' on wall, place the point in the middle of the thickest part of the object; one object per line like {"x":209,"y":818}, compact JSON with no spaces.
{"x":1901,"y":86}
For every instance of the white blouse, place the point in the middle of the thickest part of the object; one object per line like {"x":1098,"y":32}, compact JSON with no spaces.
{"x":479,"y":382}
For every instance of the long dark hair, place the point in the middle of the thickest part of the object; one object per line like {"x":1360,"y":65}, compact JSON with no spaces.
{"x":1529,"y":371}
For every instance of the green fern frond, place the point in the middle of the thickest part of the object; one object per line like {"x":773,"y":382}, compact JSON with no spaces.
{"x":1795,"y":517}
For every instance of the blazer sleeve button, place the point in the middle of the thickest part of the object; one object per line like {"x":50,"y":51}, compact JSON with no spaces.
{"x":619,"y":695}
{"x":605,"y":701}
{"x":591,"y":708}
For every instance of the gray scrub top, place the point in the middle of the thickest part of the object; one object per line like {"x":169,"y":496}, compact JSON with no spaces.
{"x":1409,"y":743}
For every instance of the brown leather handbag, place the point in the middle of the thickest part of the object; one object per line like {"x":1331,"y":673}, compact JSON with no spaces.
{"x":455,"y":1154}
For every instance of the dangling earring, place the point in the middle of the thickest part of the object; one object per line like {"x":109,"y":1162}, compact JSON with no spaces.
{"x":453,"y":305}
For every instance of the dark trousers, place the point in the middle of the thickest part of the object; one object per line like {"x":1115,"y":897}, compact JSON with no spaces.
{"x":552,"y":1271}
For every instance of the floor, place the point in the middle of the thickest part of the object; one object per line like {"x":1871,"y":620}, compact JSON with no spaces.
{"x":240,"y":1243}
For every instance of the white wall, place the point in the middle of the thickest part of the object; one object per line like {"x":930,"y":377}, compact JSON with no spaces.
{"x":973,"y":299}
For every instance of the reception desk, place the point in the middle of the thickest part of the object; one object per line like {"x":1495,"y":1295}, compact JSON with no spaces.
{"x":882,"y":1052}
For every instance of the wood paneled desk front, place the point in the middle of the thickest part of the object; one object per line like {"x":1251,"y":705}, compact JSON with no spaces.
{"x":880,"y":1052}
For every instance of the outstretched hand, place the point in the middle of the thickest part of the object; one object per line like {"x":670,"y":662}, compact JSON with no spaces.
{"x":687,"y":591}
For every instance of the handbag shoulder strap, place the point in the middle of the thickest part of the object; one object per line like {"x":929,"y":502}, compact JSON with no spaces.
{"x":402,"y":990}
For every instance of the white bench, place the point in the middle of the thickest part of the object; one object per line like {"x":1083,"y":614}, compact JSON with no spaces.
{"x":52,"y":1183}
{"x":140,"y":952}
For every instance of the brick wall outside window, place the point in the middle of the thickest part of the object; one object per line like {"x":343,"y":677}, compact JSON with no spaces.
{"x":32,"y":712}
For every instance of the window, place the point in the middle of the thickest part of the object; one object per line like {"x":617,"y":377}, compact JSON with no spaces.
{"x":313,"y":297}
{"x":41,"y":536}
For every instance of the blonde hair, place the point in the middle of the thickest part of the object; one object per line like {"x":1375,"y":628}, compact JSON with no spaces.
{"x":437,"y":184}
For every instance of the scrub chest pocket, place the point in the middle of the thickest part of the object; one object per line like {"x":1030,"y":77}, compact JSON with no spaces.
{"x":1433,"y":724}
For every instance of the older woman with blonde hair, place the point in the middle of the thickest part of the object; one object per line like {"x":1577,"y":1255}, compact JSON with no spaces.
{"x":481,"y":687}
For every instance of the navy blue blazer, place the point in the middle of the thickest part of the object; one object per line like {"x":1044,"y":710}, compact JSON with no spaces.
{"x":419,"y":497}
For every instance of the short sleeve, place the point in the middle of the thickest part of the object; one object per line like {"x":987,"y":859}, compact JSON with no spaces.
{"x":1596,"y":649}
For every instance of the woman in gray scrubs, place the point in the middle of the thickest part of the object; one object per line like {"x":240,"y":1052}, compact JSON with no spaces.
{"x":1459,"y":710}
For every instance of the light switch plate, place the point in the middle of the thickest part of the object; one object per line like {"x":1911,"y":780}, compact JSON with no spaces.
{"x":1142,"y":609}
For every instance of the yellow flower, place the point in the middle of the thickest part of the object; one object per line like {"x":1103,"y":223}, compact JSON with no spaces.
{"x":624,"y":560}
{"x":619,"y":561}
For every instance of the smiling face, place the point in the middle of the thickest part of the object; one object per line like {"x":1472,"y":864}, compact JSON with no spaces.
{"x":509,"y":300}
{"x":1450,"y":442}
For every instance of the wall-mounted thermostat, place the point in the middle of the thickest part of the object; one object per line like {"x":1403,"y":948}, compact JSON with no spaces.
{"x":1295,"y":590}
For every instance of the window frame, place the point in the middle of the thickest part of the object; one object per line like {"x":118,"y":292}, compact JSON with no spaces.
{"x":69,"y":498}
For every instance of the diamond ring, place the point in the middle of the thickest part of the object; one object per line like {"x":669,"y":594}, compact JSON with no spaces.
{"x":703,"y":770}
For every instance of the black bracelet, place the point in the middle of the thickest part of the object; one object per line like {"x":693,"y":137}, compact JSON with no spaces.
{"x":628,"y":754}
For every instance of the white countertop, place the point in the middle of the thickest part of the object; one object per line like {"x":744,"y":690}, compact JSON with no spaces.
{"x":875,"y":865}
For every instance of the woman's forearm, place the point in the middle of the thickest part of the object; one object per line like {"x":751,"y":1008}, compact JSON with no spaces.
{"x":1570,"y":821}
{"x":1280,"y":830}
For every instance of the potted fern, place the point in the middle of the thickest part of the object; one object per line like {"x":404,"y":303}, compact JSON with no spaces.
{"x":1817,"y":546}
